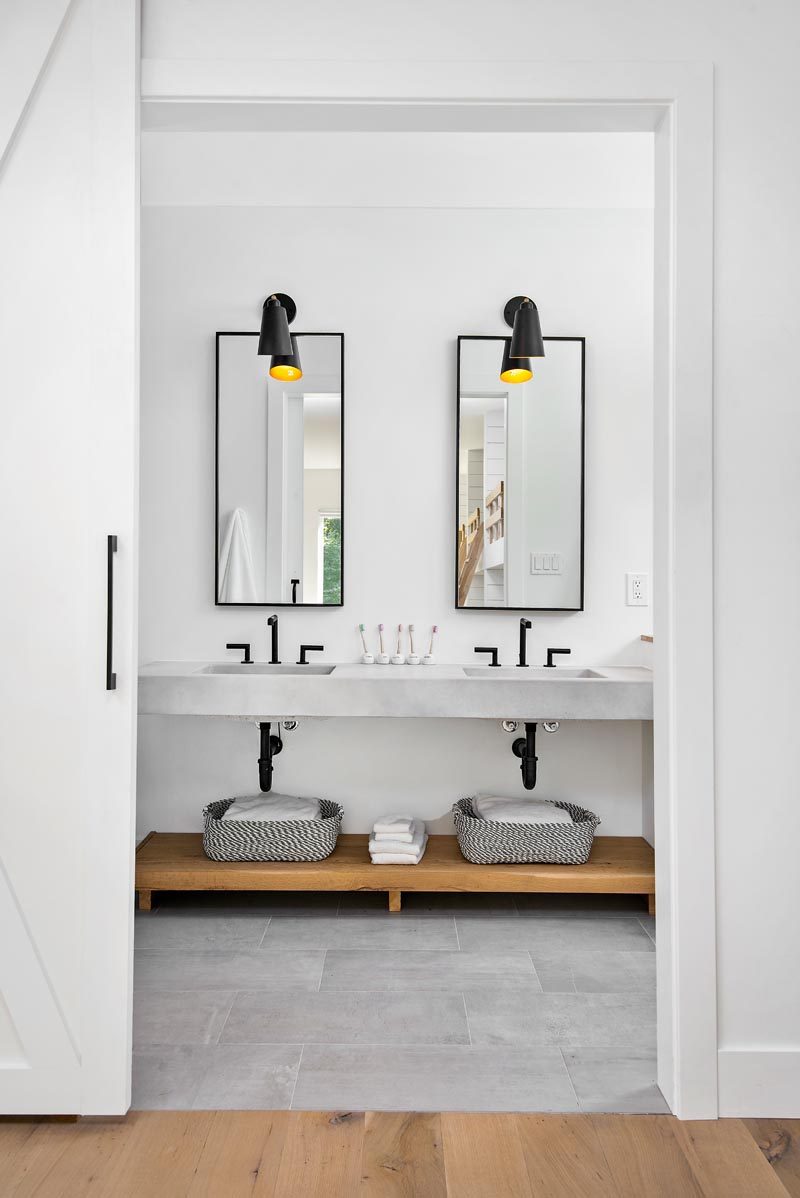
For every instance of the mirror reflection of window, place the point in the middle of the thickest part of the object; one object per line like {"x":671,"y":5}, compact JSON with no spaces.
{"x":520,"y":479}
{"x":279,"y":474}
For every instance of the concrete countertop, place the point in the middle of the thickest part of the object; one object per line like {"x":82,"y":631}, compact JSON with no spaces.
{"x":422,"y":692}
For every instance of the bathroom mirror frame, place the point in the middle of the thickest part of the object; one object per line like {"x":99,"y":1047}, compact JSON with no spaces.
{"x":275,"y":603}
{"x":500,"y":339}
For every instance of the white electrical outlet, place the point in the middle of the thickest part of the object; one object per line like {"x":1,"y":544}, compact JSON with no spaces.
{"x":636,"y":590}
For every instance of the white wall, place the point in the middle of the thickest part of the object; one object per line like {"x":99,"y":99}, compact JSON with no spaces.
{"x":757,"y":379}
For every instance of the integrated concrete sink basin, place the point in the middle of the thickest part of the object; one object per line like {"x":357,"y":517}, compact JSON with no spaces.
{"x":258,"y":667}
{"x":528,"y":673}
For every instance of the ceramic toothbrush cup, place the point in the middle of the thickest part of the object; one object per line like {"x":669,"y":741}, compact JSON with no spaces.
{"x":367,"y":659}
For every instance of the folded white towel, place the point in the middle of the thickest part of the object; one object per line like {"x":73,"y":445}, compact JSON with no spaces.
{"x":401,"y":858}
{"x":409,"y":848}
{"x":392,"y":824}
{"x":519,"y":811}
{"x":265,"y":808}
{"x":399,"y":837}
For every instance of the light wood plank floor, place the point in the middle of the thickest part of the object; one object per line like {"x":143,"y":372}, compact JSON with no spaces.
{"x":295,"y":1154}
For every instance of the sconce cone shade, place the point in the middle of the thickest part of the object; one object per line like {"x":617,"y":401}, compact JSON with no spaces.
{"x":274,"y":337}
{"x":514,"y":370}
{"x":286,"y":367}
{"x":526,"y":336}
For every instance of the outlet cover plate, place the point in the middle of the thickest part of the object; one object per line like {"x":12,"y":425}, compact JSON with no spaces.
{"x":637,"y":590}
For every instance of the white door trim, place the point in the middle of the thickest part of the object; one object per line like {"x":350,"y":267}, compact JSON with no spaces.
{"x":675,"y":100}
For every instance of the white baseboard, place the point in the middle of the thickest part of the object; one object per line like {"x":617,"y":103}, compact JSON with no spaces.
{"x":757,"y":1084}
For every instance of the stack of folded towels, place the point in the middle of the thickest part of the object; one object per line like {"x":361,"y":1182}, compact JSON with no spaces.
{"x":264,"y":808}
{"x":519,"y":811}
{"x":397,"y":840}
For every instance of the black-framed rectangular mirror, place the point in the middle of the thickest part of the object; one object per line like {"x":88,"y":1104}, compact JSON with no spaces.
{"x":279,"y":510}
{"x":520,"y":479}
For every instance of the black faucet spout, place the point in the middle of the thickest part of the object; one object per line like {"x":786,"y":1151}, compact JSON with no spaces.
{"x":524,"y":625}
{"x":274,"y":660}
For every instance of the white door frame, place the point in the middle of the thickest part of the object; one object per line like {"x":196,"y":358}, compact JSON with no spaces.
{"x":675,"y":101}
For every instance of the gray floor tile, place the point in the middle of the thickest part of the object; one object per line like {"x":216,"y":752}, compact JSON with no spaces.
{"x":565,"y":1020}
{"x":423,"y":904}
{"x":196,"y":970}
{"x":364,"y":931}
{"x":252,"y":1077}
{"x":167,"y":1078}
{"x":542,"y":932}
{"x":618,"y":1081}
{"x":587,"y":905}
{"x":433,"y":1079}
{"x":597,"y":972}
{"x":180,"y":930}
{"x":179,"y":1016}
{"x":369,"y":969}
{"x":346,"y":1018}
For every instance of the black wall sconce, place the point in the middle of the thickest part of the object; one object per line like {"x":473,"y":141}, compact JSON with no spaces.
{"x":525,"y":342}
{"x":275,"y":339}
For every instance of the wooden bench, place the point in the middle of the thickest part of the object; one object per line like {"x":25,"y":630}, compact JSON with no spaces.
{"x":176,"y":861}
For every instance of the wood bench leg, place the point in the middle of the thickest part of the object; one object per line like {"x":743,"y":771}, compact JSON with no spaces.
{"x":145,"y":900}
{"x":651,"y":904}
{"x":395,"y":900}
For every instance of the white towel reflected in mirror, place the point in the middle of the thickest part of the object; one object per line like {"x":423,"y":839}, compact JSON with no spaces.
{"x":236,"y":578}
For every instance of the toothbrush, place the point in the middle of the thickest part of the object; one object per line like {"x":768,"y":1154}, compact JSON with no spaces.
{"x":380,"y":638}
{"x":366,"y":656}
{"x":383,"y":656}
{"x":398,"y":658}
{"x":412,"y":659}
{"x":429,"y":659}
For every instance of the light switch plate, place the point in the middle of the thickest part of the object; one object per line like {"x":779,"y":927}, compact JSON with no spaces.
{"x":546,"y":563}
{"x":637,"y":590}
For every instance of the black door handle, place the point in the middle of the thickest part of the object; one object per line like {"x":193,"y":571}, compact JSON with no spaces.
{"x":111,"y":678}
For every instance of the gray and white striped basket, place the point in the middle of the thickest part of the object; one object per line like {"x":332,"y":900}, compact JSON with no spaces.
{"x":270,"y":840}
{"x":490,"y":842}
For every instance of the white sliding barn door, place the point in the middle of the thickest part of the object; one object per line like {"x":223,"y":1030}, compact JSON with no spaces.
{"x":68,"y":392}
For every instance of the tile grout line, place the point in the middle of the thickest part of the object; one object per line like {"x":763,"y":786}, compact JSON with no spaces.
{"x":296,"y":1077}
{"x":571,"y":1082}
{"x":322,"y":971}
{"x":227,"y":1017}
{"x":458,"y":938}
{"x":466,"y":1016}
{"x":264,"y":933}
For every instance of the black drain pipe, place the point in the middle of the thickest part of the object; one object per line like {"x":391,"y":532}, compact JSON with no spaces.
{"x":524,"y":747}
{"x":270,"y":746}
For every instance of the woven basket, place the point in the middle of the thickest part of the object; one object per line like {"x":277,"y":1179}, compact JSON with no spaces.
{"x":270,"y":840}
{"x":489,"y":842}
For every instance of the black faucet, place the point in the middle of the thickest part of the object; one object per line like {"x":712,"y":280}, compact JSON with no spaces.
{"x":487,"y":649}
{"x":307,"y":649}
{"x":524,"y":625}
{"x":295,"y":583}
{"x":246,"y":660}
{"x":272,"y":623}
{"x":550,"y":664}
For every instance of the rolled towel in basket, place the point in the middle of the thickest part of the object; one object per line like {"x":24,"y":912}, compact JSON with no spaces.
{"x":407,"y":858}
{"x":408,"y":848}
{"x":397,"y":827}
{"x":519,"y":811}
{"x":265,"y":808}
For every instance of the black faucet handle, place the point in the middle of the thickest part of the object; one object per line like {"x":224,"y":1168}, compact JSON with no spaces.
{"x":247,"y":659}
{"x":309,"y":649}
{"x":488,"y":649}
{"x":550,"y":664}
{"x":295,"y":583}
